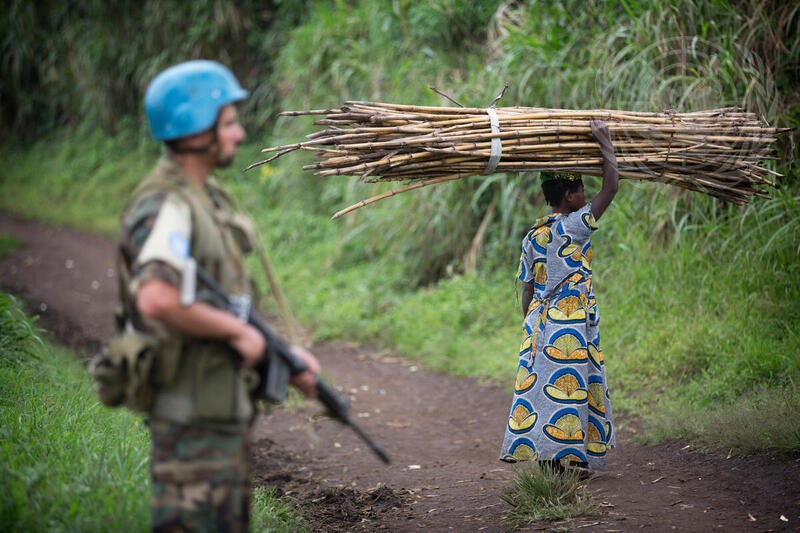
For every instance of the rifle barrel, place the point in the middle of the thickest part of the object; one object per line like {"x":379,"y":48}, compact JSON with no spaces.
{"x":335,"y":405}
{"x":339,"y":410}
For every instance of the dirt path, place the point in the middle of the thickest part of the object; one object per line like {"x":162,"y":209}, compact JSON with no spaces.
{"x":442,"y":432}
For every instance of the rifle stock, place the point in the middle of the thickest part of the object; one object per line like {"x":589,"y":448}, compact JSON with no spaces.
{"x":274,"y":382}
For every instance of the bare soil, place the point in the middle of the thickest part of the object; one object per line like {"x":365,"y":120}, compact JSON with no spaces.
{"x":442,"y":432}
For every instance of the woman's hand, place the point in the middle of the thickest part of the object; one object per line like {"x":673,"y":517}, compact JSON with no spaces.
{"x":600,"y":132}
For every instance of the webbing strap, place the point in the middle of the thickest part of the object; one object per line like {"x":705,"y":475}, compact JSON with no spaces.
{"x":497,"y":146}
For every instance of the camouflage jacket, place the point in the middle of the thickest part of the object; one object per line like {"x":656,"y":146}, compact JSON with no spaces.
{"x":169,"y":219}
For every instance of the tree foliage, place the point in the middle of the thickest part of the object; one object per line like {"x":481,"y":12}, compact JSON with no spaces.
{"x":88,"y":63}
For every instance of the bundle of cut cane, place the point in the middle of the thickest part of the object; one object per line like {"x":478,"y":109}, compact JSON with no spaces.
{"x":719,"y":152}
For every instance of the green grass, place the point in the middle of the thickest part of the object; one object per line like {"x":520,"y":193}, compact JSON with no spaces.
{"x":7,"y":244}
{"x":705,"y":324}
{"x":772,"y":411}
{"x":684,"y":323}
{"x":83,"y":184}
{"x":66,"y":462}
{"x":274,"y":514}
{"x":540,"y":493}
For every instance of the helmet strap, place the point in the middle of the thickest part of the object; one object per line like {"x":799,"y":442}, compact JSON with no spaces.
{"x":175,"y":145}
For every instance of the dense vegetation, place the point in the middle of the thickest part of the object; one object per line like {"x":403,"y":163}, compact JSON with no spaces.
{"x":700,"y":300}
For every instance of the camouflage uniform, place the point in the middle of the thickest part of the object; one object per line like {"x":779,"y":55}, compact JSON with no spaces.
{"x":200,"y":478}
{"x":201,"y":409}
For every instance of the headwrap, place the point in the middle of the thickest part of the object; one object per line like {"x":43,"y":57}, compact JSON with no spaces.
{"x":569,"y":176}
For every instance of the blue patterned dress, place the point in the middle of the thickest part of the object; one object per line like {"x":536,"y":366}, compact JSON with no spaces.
{"x":561,"y":408}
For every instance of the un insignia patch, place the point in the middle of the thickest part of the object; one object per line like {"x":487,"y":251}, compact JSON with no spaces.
{"x":179,"y":244}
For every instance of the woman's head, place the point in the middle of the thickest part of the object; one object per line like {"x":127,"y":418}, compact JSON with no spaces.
{"x":563,"y":189}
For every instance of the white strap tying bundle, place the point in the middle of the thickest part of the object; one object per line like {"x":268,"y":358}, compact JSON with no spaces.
{"x":497,"y":146}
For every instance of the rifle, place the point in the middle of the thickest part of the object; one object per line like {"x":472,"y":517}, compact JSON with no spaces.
{"x":279,"y":362}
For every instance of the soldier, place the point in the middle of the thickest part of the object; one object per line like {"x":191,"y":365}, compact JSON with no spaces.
{"x":201,"y":408}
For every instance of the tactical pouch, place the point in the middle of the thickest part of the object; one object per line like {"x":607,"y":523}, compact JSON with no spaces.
{"x":215,"y":384}
{"x":167,"y":360}
{"x":122,"y":373}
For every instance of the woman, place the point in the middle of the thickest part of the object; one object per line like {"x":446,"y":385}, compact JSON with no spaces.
{"x":561,"y":413}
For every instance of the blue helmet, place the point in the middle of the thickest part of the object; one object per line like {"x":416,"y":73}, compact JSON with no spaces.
{"x":186,"y":98}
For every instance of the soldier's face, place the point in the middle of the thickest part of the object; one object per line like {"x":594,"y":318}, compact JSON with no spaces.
{"x":229,"y":135}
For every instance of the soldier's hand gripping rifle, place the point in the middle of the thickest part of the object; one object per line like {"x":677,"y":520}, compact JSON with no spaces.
{"x":279,"y":362}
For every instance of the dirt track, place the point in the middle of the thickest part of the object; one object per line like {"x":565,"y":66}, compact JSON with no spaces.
{"x":442,"y":432}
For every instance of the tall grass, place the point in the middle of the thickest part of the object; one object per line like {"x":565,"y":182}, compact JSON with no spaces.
{"x":543,"y":493}
{"x":704,"y":326}
{"x":81,"y":178}
{"x":650,"y":56}
{"x":718,"y":297}
{"x":68,"y":464}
